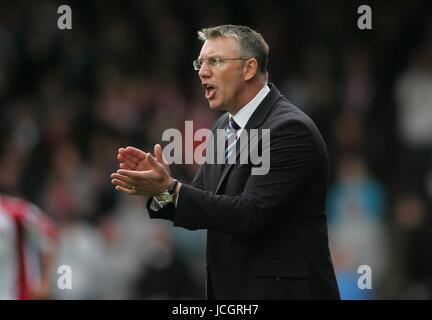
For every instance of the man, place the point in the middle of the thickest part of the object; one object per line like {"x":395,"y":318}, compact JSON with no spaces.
{"x":267,"y":234}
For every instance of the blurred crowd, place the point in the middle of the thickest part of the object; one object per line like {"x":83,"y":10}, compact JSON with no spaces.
{"x":70,"y":98}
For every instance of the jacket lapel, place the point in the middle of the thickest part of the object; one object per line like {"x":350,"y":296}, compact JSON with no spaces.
{"x":254,"y":122}
{"x":215,"y":170}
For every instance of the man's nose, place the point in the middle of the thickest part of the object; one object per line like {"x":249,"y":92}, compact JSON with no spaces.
{"x":205,"y":71}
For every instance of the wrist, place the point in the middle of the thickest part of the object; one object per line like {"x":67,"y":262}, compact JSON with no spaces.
{"x":169,"y":195}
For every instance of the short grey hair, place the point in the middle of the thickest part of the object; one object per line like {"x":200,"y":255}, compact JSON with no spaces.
{"x":251,"y":43}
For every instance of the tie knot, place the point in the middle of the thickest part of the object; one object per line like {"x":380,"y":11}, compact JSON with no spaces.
{"x":233,"y":124}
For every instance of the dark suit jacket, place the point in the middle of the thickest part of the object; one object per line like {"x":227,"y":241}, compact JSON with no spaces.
{"x":267,"y":234}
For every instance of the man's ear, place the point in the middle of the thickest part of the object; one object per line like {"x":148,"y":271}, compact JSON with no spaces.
{"x":250,"y":68}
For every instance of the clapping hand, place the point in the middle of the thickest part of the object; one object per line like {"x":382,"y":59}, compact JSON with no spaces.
{"x":141,"y":173}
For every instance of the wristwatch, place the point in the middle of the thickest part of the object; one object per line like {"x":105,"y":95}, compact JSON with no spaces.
{"x":168,"y":195}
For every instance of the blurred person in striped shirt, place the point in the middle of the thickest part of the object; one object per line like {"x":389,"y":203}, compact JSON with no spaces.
{"x":28,"y":239}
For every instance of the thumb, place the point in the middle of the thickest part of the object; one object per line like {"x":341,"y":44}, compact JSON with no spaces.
{"x":161,"y":158}
{"x":158,"y":153}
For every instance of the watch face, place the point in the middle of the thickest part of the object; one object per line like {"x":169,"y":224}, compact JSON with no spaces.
{"x":166,"y":196}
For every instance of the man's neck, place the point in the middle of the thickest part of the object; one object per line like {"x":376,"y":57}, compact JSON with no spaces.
{"x":247,"y":95}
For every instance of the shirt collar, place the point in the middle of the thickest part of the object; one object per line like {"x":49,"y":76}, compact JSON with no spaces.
{"x":242,"y":117}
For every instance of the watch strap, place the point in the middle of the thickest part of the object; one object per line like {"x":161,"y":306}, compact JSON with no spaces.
{"x":171,"y":189}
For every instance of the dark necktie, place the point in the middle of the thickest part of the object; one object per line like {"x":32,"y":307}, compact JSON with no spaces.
{"x":230,"y":137}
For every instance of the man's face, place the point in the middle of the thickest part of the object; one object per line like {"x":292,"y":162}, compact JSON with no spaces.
{"x":222,"y":83}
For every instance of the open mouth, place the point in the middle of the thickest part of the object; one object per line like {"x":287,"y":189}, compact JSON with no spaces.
{"x":210,"y":91}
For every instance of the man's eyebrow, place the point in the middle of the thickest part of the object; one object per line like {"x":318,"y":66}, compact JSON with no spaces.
{"x":211,"y":56}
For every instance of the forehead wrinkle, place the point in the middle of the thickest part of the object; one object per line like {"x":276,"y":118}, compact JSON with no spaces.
{"x":213,"y":47}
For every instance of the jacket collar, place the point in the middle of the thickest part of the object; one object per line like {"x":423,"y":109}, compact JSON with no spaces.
{"x":260,"y":113}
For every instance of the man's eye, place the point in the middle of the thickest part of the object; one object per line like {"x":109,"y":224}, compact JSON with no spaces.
{"x":212,"y":61}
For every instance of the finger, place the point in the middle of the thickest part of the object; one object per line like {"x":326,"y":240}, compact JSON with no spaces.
{"x":132,"y":165}
{"x":125,"y":179}
{"x":144,"y":179}
{"x":124,"y":166}
{"x":122,"y":184}
{"x":124,"y":156}
{"x":146,"y":191}
{"x":135,"y":152}
{"x":141,"y":189}
{"x":136,"y":175}
{"x":125,"y":190}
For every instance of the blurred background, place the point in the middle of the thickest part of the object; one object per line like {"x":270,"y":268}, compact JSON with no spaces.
{"x":70,"y":98}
